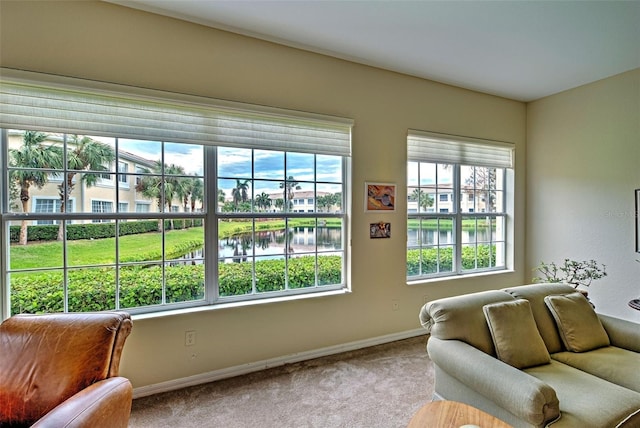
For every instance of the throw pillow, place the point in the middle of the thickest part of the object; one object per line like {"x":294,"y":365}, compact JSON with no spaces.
{"x":515,"y":334}
{"x":578,"y":324}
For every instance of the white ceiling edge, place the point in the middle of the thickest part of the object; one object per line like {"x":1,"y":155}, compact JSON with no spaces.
{"x":520,"y":50}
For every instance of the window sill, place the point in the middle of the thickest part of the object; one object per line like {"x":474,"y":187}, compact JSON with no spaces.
{"x":456,"y":277}
{"x":229,"y":305}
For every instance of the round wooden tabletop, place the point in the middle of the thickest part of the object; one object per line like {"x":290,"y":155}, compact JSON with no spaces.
{"x":452,"y":414}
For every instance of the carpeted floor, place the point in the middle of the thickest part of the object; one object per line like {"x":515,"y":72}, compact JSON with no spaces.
{"x":378,"y":387}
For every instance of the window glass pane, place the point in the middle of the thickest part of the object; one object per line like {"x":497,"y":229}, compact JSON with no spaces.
{"x":269,"y":164}
{"x":265,"y":194}
{"x":329,"y":168}
{"x":140,"y":285}
{"x":49,"y":286}
{"x":45,"y":254}
{"x":329,"y":198}
{"x":142,"y":153}
{"x":99,"y":249}
{"x":184,"y":159}
{"x":300,"y":166}
{"x":92,"y":289}
{"x":234,"y":162}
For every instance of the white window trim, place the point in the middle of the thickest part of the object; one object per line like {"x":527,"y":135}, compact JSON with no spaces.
{"x":425,"y":146}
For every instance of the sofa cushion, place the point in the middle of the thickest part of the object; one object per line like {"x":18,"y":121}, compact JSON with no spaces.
{"x":578,"y":324}
{"x":515,"y":335}
{"x":535,"y":294}
{"x":586,"y":401}
{"x":611,"y":363}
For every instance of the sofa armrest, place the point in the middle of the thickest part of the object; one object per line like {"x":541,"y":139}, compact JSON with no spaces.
{"x":517,"y":392}
{"x":104,"y":404}
{"x":622,"y":333}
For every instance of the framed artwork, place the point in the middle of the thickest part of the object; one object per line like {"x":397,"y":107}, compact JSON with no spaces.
{"x":380,"y":197}
{"x":379,"y":230}
{"x":637,"y":218}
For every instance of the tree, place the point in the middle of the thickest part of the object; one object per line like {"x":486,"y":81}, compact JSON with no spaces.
{"x":483,"y":180}
{"x":323,"y":202}
{"x":424,"y":199}
{"x":31,"y":158}
{"x":197,"y":193}
{"x":165,"y":188}
{"x":289,"y":185}
{"x":240,"y":192}
{"x":263,"y":201}
{"x":83,"y":154}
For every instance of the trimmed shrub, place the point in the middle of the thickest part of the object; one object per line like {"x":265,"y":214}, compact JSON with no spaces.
{"x":93,"y":289}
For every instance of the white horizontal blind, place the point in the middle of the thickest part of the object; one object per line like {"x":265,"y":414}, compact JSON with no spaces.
{"x":441,"y":148}
{"x":57,"y":104}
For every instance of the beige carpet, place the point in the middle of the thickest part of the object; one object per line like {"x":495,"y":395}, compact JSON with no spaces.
{"x":378,"y":387}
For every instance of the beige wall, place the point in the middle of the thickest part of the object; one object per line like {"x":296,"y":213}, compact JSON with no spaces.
{"x":583,"y":164}
{"x":107,"y":42}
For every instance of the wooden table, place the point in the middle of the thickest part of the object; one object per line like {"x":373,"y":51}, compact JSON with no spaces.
{"x":451,"y":414}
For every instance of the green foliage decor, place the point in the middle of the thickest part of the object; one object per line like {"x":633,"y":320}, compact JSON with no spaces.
{"x":93,"y":289}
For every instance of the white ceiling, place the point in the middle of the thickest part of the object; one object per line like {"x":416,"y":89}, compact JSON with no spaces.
{"x":523,"y":50}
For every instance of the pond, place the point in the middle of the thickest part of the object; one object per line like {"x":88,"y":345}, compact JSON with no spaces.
{"x":271,"y":244}
{"x":417,"y":237}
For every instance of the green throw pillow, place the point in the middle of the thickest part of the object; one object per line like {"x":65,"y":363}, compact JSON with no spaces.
{"x":578,"y":324}
{"x":515,"y":334}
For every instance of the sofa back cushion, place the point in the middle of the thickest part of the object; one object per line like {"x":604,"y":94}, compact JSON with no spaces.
{"x":462,"y":318}
{"x":578,"y":324}
{"x":515,"y":335}
{"x":535,"y":294}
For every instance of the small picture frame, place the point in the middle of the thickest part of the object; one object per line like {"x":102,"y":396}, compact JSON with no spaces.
{"x":379,"y":197}
{"x":379,"y":230}
{"x":637,"y":220}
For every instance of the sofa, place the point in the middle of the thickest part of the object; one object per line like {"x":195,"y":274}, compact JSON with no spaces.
{"x":535,"y":356}
{"x":61,"y":370}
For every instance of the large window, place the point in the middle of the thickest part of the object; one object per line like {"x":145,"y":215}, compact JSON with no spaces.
{"x":203,"y":218}
{"x":456,"y":205}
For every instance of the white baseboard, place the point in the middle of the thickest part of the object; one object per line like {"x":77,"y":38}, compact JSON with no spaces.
{"x":199,"y":379}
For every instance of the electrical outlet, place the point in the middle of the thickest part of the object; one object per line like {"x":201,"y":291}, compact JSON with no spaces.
{"x":395,"y":305}
{"x":190,"y":338}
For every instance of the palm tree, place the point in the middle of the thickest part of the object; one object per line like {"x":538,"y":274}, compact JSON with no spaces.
{"x":263,"y":201}
{"x":240,"y":192}
{"x":87,"y":154}
{"x":289,"y":186}
{"x":423,"y":198}
{"x":150,"y":186}
{"x":197,"y":193}
{"x":35,"y":156}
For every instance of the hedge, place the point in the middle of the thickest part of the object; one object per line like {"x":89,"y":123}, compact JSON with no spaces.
{"x":49,"y":232}
{"x":93,"y":289}
{"x":486,"y":253}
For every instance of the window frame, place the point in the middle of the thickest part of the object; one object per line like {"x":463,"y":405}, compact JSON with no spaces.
{"x":445,"y":148}
{"x":209,"y":210}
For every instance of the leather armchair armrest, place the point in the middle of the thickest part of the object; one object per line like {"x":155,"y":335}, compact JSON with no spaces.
{"x":517,"y":392}
{"x":622,"y":333}
{"x":104,"y":404}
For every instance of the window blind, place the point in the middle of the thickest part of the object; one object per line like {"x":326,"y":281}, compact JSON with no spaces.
{"x":442,"y":148}
{"x":59,"y":104}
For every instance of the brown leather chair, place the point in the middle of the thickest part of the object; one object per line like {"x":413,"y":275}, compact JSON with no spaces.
{"x":61,"y":370}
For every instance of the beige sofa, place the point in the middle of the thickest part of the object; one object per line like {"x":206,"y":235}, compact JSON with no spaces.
{"x":535,"y":356}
